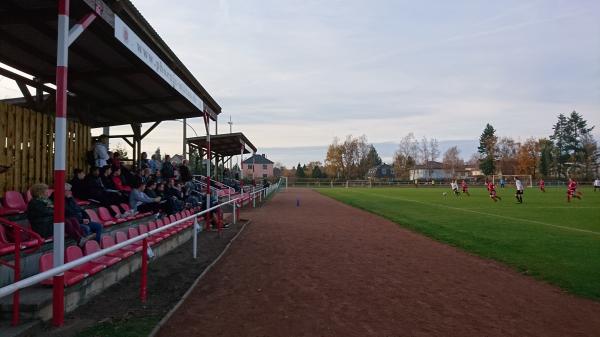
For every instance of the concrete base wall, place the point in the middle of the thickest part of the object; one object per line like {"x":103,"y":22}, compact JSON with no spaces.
{"x":36,"y":302}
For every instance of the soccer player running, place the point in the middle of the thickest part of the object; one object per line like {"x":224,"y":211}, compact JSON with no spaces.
{"x":542,"y":185}
{"x":454,"y":187}
{"x":572,"y":190}
{"x":519,"y":193}
{"x":596,"y":184}
{"x":492,"y":189}
{"x":465,"y":187}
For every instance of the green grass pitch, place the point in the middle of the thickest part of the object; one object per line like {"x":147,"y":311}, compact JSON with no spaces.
{"x":545,"y":237}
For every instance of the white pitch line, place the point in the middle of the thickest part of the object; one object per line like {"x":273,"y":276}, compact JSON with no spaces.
{"x":498,"y":216}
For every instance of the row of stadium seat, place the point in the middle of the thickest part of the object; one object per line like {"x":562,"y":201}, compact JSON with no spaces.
{"x":102,"y":216}
{"x":95,"y":266}
{"x":14,"y":203}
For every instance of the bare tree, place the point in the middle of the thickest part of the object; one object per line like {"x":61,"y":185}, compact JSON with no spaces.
{"x":434,"y":149}
{"x":406,"y":156}
{"x":452,"y":161}
{"x":425,"y":153}
{"x":507,"y":150}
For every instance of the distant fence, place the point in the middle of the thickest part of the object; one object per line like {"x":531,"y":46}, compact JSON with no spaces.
{"x":27,"y":143}
{"x":321,"y":183}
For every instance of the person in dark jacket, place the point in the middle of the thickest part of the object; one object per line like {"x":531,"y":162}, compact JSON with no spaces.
{"x":184,"y":172}
{"x":167,"y":171}
{"x":73,"y":210}
{"x":40,"y":213}
{"x":78,"y":184}
{"x":151,"y":189}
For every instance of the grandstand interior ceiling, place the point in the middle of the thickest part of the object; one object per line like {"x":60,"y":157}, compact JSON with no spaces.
{"x":108,"y":84}
{"x":226,"y":144}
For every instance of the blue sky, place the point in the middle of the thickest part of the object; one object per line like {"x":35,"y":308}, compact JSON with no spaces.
{"x":298,"y":73}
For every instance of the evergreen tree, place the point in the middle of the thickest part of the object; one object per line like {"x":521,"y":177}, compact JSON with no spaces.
{"x":316,"y":173}
{"x":487,"y":150}
{"x":373,"y":157}
{"x":545,"y":164}
{"x":300,"y":172}
{"x":571,"y":138}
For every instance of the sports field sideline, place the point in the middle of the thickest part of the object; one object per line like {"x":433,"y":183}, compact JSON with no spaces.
{"x":545,"y":237}
{"x":309,"y":265}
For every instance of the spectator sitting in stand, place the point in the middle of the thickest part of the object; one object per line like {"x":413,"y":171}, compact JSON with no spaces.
{"x":140,"y":202}
{"x":151,"y":189}
{"x":154,"y":164}
{"x":97,"y":191}
{"x":184,"y":171}
{"x":159,"y":178}
{"x":72,"y":210}
{"x":110,"y":159}
{"x":106,"y":178}
{"x":160,"y":190}
{"x":146,"y":175}
{"x":174,"y":197}
{"x":167,"y":171}
{"x":116,"y":161}
{"x":78,"y":184}
{"x":144,"y":161}
{"x":40,"y":213}
{"x":116,"y":179}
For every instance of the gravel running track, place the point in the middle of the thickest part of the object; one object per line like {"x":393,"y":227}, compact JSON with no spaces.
{"x":327,"y":269}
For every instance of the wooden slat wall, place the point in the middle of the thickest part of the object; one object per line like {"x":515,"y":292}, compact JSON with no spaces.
{"x":27,"y":142}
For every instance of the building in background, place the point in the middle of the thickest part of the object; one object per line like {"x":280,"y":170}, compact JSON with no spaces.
{"x":383,"y":171}
{"x":257,"y":166}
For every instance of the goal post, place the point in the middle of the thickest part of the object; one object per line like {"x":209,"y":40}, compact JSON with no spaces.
{"x":358,"y":183}
{"x":526,"y":179}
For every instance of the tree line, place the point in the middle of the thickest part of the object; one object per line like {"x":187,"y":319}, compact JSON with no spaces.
{"x":570,"y":151}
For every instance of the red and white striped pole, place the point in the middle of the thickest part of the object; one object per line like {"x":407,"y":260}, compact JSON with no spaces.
{"x":209,"y":157}
{"x":60,"y":139}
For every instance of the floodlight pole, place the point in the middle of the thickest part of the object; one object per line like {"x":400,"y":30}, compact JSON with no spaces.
{"x":64,"y":39}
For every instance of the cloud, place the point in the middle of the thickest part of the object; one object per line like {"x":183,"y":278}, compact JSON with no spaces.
{"x":297,"y":73}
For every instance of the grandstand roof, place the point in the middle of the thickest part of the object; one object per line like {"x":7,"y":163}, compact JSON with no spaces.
{"x":108,"y":84}
{"x":226,"y":144}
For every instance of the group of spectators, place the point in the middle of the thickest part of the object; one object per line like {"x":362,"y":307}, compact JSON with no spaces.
{"x":155,"y":186}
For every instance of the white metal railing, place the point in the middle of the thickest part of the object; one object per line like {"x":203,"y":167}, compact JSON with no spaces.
{"x":37,"y":278}
{"x":24,"y":283}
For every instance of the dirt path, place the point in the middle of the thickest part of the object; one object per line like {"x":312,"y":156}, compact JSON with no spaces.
{"x":327,"y":269}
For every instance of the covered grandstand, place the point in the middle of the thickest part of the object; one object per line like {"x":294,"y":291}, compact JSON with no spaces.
{"x":81,"y":65}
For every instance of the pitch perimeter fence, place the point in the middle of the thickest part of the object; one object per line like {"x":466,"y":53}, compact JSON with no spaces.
{"x":322,"y":183}
{"x":57,"y":272}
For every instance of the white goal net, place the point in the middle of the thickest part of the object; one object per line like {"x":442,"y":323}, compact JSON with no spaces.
{"x":358,"y":183}
{"x":509,"y":179}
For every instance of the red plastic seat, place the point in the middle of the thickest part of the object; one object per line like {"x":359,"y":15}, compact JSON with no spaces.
{"x":108,"y":259}
{"x":152,"y":225}
{"x":126,"y":208}
{"x":73,"y":253}
{"x":121,"y":237}
{"x":104,"y":215}
{"x":28,"y":196}
{"x":25,"y":239}
{"x":143,"y":229}
{"x":108,"y":241}
{"x":6,"y":248}
{"x":71,"y":277}
{"x":82,"y":202}
{"x":13,"y":200}
{"x":6,"y":211}
{"x":118,"y":213}
{"x":180,"y":226}
{"x":168,"y":232}
{"x":94,"y":217}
